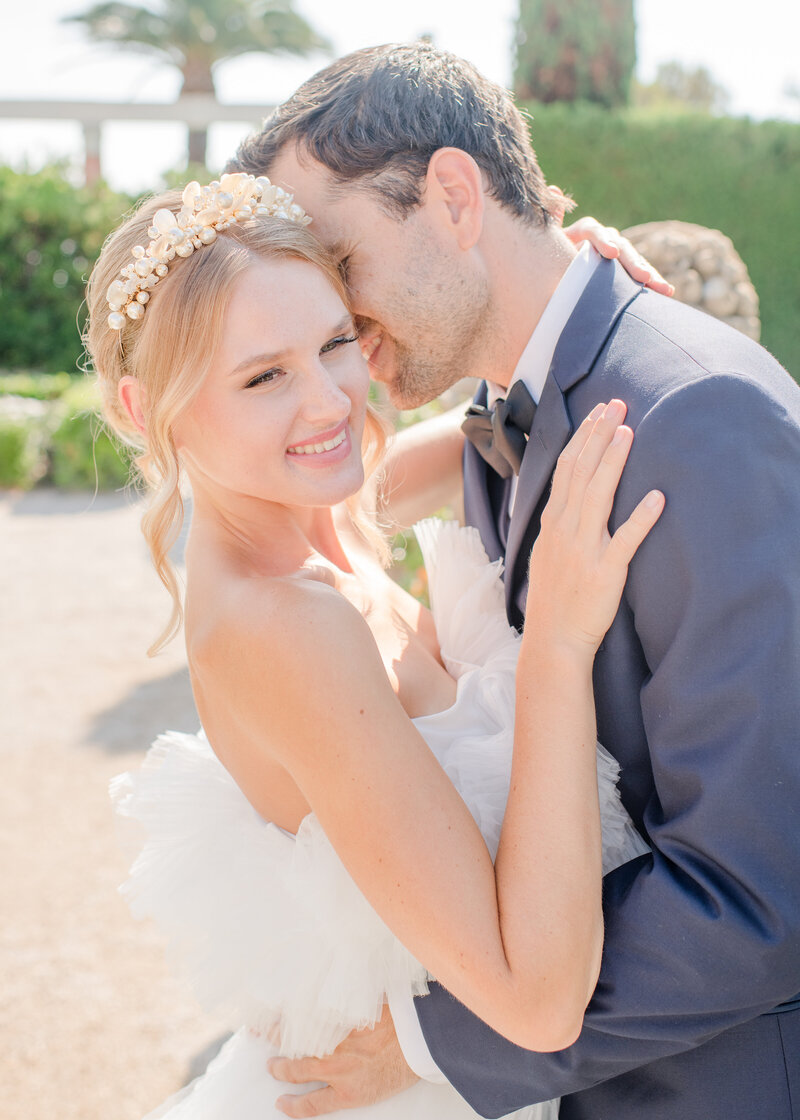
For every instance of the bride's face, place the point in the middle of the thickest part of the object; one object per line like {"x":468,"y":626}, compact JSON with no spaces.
{"x":280,"y":415}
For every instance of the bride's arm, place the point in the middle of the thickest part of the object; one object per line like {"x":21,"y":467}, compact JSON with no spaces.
{"x":519,"y":944}
{"x":422,"y":468}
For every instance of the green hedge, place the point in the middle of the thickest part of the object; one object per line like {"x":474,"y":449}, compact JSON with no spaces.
{"x":736,"y":175}
{"x":50,"y":234}
{"x":51,"y":432}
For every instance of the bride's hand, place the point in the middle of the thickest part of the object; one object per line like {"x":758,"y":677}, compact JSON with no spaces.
{"x":578,"y":570}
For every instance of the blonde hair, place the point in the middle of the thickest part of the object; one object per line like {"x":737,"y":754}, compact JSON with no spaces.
{"x":169,"y":351}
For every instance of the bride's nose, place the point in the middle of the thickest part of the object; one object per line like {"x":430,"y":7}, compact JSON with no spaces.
{"x":324,"y":398}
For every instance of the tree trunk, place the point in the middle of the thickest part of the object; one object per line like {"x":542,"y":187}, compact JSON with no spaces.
{"x":197,"y":78}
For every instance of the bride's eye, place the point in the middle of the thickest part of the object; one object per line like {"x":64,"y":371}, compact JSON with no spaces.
{"x":265,"y":378}
{"x":335,"y":343}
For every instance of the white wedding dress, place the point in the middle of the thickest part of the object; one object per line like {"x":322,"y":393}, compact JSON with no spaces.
{"x":267,"y":926}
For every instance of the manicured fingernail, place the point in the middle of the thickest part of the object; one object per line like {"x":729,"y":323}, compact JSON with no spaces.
{"x":621,"y":435}
{"x":596,"y":412}
{"x":615,"y":409}
{"x":654,"y":499}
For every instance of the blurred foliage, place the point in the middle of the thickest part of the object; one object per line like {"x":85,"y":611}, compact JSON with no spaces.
{"x":682,"y":87}
{"x":35,"y":386}
{"x":51,"y":432}
{"x":739,"y":176}
{"x":575,"y":50}
{"x":82,"y":453}
{"x":50,"y":234}
{"x":22,"y":451}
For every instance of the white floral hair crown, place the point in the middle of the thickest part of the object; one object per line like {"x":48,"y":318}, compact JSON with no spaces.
{"x":206,"y":211}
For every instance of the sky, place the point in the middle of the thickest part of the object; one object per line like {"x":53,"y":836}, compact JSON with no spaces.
{"x":751,"y":50}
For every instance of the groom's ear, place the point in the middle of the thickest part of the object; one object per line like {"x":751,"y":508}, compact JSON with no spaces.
{"x":454,"y":194}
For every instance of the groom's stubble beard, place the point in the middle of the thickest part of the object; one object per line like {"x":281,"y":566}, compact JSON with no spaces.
{"x":446,"y":337}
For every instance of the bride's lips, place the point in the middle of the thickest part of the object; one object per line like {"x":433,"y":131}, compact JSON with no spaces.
{"x":324,"y":449}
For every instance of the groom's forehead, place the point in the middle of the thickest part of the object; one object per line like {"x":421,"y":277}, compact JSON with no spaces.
{"x":320,"y":195}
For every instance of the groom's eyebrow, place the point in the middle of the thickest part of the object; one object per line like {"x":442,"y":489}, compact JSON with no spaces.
{"x":344,"y":324}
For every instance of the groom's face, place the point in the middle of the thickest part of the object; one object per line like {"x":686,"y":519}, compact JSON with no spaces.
{"x":418,"y":307}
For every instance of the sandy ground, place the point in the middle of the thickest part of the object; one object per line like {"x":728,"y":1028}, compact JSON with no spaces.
{"x":91,"y":1024}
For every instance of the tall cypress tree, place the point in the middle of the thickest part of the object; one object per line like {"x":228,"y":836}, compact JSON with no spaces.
{"x":571,"y":50}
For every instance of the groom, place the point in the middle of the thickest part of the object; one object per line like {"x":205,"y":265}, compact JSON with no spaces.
{"x":419,"y":173}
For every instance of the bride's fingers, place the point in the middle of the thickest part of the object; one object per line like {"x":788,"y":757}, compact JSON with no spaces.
{"x":601,"y":490}
{"x":559,"y":489}
{"x":631,"y":533}
{"x":593,"y":451}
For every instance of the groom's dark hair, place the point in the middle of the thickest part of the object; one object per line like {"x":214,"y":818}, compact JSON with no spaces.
{"x":377,"y":116}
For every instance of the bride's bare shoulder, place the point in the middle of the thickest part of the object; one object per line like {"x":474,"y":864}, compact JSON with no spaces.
{"x":280,"y":619}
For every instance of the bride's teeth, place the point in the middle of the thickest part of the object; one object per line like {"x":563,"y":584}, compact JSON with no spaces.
{"x":318,"y":448}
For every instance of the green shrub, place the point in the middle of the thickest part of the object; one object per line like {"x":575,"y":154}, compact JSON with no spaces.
{"x":36,"y":386}
{"x":50,"y":234}
{"x":23,"y":437}
{"x":736,"y":175}
{"x":82,"y":454}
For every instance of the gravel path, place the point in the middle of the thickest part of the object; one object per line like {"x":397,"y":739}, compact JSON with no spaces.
{"x":91,"y":1025}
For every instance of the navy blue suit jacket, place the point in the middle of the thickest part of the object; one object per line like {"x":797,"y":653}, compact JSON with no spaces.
{"x":697,"y":688}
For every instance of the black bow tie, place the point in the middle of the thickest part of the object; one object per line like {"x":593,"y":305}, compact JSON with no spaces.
{"x":501,"y":434}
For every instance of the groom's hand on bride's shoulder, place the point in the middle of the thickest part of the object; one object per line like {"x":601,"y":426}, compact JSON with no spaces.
{"x":367,"y":1067}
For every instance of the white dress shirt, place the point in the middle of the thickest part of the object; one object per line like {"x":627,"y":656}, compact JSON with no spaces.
{"x":532,"y":368}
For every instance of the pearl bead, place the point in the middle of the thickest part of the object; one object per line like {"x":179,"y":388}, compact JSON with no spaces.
{"x":138,"y":251}
{"x":116,"y":320}
{"x":143,"y":297}
{"x":243,"y":214}
{"x":224,"y":200}
{"x":207,"y":235}
{"x":134,"y":310}
{"x":161,"y":270}
{"x":152,"y":233}
{"x":144,"y":267}
{"x":116,"y":292}
{"x":131,"y":287}
{"x":185,"y":249}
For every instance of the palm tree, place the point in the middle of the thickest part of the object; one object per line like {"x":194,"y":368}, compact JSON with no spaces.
{"x":195,"y":35}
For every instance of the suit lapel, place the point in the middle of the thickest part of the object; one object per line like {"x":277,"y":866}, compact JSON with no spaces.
{"x":550,"y":432}
{"x":482,"y":496}
{"x":607,"y":294}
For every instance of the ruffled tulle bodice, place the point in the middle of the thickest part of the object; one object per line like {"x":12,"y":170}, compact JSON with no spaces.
{"x":265,"y":925}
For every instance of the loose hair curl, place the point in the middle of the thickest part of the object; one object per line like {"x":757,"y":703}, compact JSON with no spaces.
{"x":169,"y":351}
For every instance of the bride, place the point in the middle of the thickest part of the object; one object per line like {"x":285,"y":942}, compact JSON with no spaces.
{"x":356,"y":757}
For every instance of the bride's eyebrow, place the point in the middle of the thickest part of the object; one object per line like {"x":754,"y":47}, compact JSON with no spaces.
{"x":344,"y":324}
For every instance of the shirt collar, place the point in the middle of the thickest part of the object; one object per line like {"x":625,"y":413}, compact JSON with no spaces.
{"x":535,"y":360}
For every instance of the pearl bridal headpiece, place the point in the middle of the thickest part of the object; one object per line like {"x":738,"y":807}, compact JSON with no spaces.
{"x":206,"y":211}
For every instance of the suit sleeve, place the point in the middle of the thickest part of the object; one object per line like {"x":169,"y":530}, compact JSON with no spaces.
{"x":705,"y":933}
